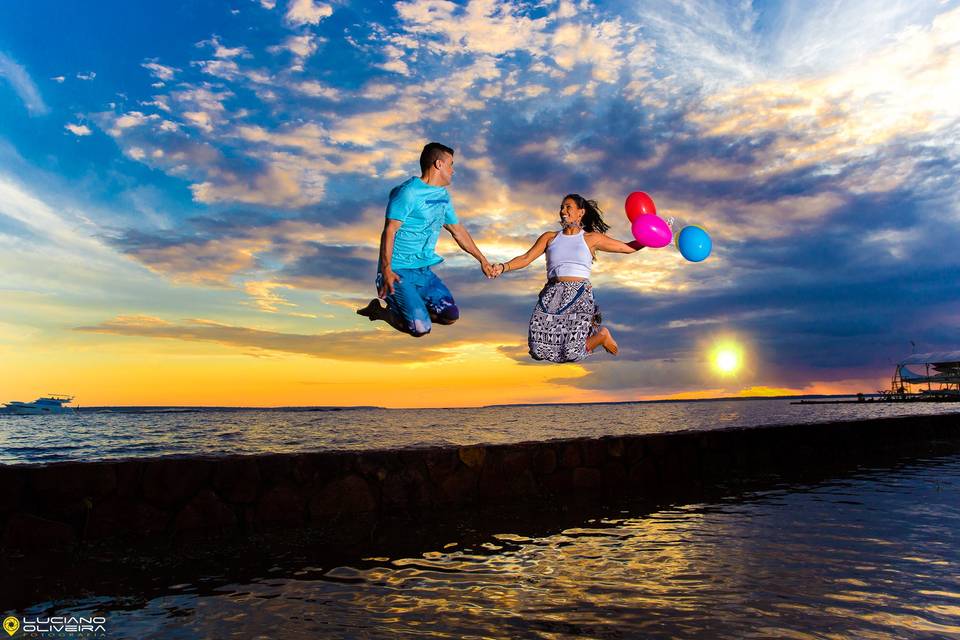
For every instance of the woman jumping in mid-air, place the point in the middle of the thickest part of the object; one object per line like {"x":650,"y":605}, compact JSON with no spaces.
{"x":565,"y":325}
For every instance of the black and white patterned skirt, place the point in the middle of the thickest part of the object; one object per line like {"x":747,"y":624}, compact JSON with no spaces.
{"x":565,"y":316}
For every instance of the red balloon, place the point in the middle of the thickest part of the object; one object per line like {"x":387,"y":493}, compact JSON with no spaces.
{"x":639,"y":204}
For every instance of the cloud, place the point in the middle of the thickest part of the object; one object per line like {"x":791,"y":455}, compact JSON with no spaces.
{"x":78,"y":129}
{"x":235,"y":249}
{"x":481,"y":27}
{"x":704,"y":45}
{"x":18,"y":77}
{"x":89,"y":75}
{"x":393,"y":126}
{"x":132,"y":119}
{"x":332,"y":267}
{"x":396,"y":63}
{"x":378,"y":91}
{"x":301,"y":47}
{"x":201,"y":106}
{"x":52,"y":235}
{"x":55,"y":228}
{"x":316,"y":89}
{"x":385,"y":346}
{"x":286,"y":183}
{"x":220,"y":51}
{"x":303,"y":12}
{"x":270,"y":177}
{"x":821,"y":38}
{"x":648,"y":377}
{"x":226,"y":69}
{"x":557,"y":43}
{"x":599,"y":45}
{"x":203,"y":97}
{"x":265,"y":296}
{"x":322,"y":148}
{"x":902,"y":88}
{"x":357,"y":137}
{"x":210,"y":262}
{"x":159,"y":71}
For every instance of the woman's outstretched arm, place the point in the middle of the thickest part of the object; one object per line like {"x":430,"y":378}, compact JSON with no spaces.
{"x":532,"y":253}
{"x":612,"y":245}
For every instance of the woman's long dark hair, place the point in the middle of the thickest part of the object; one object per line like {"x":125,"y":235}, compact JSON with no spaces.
{"x":592,"y":216}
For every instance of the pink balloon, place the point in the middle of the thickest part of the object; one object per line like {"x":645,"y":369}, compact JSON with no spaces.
{"x":652,"y":231}
{"x":638,"y":204}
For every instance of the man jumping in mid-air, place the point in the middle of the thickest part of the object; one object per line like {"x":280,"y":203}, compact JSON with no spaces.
{"x":416,"y":297}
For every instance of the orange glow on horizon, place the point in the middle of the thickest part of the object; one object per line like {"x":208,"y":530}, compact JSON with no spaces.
{"x":116,"y":371}
{"x":172,"y":374}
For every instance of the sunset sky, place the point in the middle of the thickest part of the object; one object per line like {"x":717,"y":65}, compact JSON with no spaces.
{"x":191,"y":193}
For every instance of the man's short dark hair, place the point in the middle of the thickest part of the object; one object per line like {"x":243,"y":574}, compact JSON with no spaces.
{"x":432,"y":152}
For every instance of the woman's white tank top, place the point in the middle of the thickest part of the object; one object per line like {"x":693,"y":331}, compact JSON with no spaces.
{"x":569,"y":255}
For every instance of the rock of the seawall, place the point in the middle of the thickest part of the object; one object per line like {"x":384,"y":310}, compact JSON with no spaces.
{"x":11,"y":481}
{"x":122,"y":517}
{"x":237,"y":479}
{"x":350,"y":494}
{"x":281,"y":505}
{"x":206,"y":512}
{"x":168,"y":482}
{"x":30,"y":532}
{"x":62,"y":487}
{"x":406,"y":488}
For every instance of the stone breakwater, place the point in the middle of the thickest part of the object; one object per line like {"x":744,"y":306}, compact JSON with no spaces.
{"x":65,"y":505}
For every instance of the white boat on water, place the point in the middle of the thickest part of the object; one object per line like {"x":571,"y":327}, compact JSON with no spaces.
{"x":41,"y":406}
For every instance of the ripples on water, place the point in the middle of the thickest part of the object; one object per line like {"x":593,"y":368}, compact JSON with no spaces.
{"x":873,"y":555}
{"x":102,"y":435}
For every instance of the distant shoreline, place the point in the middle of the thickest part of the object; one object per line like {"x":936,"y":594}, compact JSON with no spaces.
{"x":197,"y":408}
{"x":676,"y":400}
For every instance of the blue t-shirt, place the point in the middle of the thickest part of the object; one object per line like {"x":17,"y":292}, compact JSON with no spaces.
{"x":423,"y":210}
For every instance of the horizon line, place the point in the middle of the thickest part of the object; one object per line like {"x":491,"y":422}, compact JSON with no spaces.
{"x":487,"y":406}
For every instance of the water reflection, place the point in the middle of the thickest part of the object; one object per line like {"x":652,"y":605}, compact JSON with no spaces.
{"x":872,"y":555}
{"x":102,"y":435}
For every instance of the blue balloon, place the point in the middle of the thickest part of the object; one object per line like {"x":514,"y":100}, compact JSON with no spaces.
{"x":694,"y":243}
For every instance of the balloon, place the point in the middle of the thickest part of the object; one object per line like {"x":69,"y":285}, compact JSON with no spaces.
{"x":694,"y":243}
{"x":639,"y":203}
{"x":651,"y":231}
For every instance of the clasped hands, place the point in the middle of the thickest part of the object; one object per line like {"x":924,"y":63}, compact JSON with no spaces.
{"x":492,"y":270}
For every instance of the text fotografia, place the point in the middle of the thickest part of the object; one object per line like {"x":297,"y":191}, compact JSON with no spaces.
{"x":59,"y":626}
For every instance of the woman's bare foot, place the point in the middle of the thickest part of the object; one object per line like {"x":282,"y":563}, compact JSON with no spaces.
{"x":603,"y":338}
{"x":610,"y":344}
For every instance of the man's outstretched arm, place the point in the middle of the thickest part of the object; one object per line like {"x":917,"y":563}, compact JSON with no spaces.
{"x":390,"y":227}
{"x":463,"y":238}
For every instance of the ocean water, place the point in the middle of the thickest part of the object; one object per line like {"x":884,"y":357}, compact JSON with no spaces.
{"x":873,"y":553}
{"x":121,"y":433}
